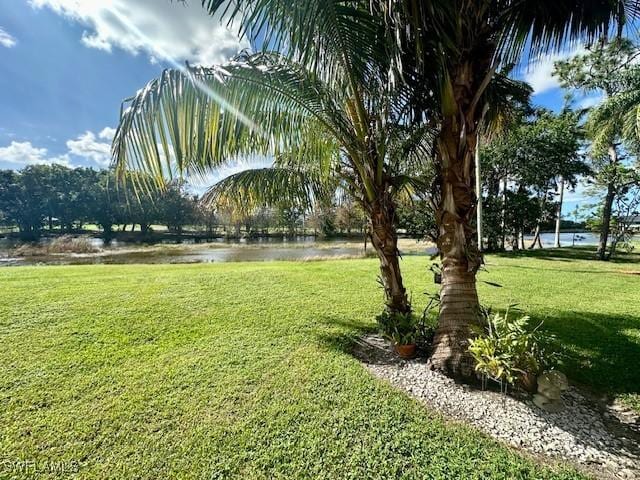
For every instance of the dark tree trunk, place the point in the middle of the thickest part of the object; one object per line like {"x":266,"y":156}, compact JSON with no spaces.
{"x":503,"y":215}
{"x":606,"y":222}
{"x":385,"y":242}
{"x":536,"y":234}
{"x":536,"y":238}
{"x":607,"y":208}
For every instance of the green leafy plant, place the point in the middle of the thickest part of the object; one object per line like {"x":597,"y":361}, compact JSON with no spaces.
{"x":506,"y":350}
{"x":400,"y":328}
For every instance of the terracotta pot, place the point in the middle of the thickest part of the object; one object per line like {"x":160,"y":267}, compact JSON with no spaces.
{"x":406,"y":351}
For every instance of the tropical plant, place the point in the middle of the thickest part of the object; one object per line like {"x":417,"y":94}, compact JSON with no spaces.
{"x":505,"y":349}
{"x":328,"y":109}
{"x":451,"y":50}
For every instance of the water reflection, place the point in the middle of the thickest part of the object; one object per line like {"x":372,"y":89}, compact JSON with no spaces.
{"x":189,"y":251}
{"x":221,"y":250}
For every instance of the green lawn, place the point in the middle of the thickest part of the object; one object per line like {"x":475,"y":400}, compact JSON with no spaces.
{"x":239,"y":370}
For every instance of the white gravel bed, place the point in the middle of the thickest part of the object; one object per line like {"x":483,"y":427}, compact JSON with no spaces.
{"x":578,"y":433}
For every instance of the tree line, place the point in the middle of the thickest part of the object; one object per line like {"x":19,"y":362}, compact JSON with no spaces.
{"x":56,"y":199}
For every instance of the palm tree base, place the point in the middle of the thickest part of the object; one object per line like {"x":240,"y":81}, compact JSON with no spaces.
{"x":458,"y":312}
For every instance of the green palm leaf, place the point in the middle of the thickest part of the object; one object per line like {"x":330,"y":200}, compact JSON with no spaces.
{"x":193,"y":121}
{"x":255,"y":188}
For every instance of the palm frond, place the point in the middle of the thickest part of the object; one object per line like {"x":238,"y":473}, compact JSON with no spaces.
{"x":347,"y":39}
{"x":505,"y":99}
{"x":603,"y":126}
{"x":190,"y":122}
{"x":254,"y":188}
{"x":545,"y":26}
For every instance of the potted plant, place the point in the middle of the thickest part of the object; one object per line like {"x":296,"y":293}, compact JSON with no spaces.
{"x":402,"y":330}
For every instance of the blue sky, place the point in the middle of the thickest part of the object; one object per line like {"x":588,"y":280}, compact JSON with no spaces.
{"x":68,"y":64}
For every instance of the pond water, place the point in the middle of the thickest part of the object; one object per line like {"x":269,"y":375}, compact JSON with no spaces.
{"x":265,"y":249}
{"x":566,"y":239}
{"x":262,"y":249}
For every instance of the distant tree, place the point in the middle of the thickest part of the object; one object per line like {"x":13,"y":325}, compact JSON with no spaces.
{"x":323,"y":217}
{"x":176,"y":208}
{"x":288,"y":217}
{"x":207,"y":217}
{"x":603,"y":70}
{"x":139,"y":206}
{"x":106,"y":209}
{"x":348,"y":216}
{"x":23,"y":200}
{"x":521,"y":170}
{"x":416,"y":217}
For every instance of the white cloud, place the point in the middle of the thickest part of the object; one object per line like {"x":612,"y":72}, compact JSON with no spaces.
{"x":23,"y":153}
{"x":6,"y":39}
{"x":540,"y":70}
{"x":90,"y":147}
{"x":107,"y":133}
{"x":162,"y":29}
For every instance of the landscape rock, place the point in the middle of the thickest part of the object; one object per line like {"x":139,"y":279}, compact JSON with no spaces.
{"x":553,"y":379}
{"x":551,"y":384}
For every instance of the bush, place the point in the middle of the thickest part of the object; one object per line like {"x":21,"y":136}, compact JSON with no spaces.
{"x":69,"y":244}
{"x":506,"y":350}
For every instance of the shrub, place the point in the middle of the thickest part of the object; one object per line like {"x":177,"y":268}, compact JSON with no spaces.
{"x":69,"y":244}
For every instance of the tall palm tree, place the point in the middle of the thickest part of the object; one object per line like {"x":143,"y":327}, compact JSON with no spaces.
{"x":331,"y":115}
{"x":464,"y":42}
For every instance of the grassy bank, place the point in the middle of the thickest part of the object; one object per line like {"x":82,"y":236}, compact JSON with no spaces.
{"x":212,"y":371}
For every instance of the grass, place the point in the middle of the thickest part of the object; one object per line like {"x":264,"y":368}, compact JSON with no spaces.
{"x":239,"y":370}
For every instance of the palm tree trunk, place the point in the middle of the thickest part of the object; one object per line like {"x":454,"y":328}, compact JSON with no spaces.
{"x":385,"y":242}
{"x":478,"y":193}
{"x":459,"y":307}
